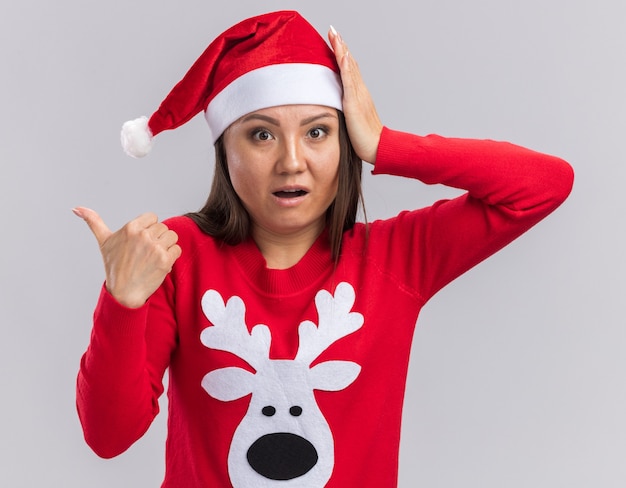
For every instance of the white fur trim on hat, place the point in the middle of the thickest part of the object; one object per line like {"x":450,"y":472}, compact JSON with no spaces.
{"x":136,"y":137}
{"x":270,"y":86}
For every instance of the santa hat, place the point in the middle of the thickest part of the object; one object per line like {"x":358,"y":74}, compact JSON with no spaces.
{"x":265,"y":61}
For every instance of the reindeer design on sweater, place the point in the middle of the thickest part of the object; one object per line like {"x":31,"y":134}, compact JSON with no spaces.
{"x":284,"y":439}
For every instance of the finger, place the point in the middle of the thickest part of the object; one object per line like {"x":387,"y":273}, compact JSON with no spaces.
{"x":168,"y":239}
{"x":348,"y":67}
{"x":336,"y":43}
{"x":350,"y":75}
{"x":95,"y":223}
{"x":175,"y":252}
{"x":143,"y":223}
{"x":145,"y":220}
{"x":156,"y":230}
{"x":339,"y":47}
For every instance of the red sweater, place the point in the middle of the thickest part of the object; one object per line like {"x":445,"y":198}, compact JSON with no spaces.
{"x":314,"y":397}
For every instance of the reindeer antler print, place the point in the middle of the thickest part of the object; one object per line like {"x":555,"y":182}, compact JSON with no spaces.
{"x":335,"y":322}
{"x":230,"y":333}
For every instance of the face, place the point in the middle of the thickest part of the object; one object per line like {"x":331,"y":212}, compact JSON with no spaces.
{"x":283,"y":163}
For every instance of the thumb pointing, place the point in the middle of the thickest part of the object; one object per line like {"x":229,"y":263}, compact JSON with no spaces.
{"x":95,"y":223}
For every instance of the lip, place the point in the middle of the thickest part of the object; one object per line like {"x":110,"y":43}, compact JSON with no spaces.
{"x":291,"y":188}
{"x":290,"y":201}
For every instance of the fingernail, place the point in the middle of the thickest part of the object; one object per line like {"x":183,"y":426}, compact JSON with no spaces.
{"x":336,"y":34}
{"x":77,"y":212}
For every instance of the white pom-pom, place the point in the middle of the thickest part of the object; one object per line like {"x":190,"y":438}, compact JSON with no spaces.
{"x":136,"y":137}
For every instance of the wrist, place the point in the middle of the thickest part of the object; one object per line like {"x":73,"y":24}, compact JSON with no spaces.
{"x":125,"y":299}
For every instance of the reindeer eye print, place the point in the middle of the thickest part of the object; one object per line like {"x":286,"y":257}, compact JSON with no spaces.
{"x":295,"y":411}
{"x":268,"y":411}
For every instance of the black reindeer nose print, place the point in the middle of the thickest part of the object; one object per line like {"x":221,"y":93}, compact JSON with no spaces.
{"x":282,"y":456}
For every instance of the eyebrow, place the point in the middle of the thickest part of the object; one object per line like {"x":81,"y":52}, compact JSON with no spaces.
{"x":276,"y":122}
{"x":317,"y":117}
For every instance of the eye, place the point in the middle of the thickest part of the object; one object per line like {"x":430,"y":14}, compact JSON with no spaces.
{"x":262,"y":135}
{"x":296,"y":411}
{"x":268,"y":411}
{"x":318,"y":132}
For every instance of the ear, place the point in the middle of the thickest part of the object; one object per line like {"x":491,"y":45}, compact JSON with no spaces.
{"x":334,"y":375}
{"x":228,"y":384}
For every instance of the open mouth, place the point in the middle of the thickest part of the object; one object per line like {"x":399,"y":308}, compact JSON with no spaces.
{"x":290,"y":193}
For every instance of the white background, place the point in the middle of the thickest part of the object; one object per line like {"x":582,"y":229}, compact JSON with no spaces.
{"x":517,"y":372}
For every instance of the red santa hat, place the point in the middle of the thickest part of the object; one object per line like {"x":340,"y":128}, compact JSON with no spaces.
{"x":265,"y":61}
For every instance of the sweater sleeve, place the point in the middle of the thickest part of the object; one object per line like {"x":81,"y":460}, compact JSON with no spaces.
{"x":120,"y":376}
{"x":508,"y":190}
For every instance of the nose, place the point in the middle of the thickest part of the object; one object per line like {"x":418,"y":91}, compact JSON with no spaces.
{"x":282,"y":456}
{"x":292,"y":158}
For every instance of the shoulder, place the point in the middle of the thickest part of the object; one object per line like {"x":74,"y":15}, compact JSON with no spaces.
{"x":182,"y":225}
{"x":404,"y":220}
{"x":190,"y":236}
{"x":383,"y":229}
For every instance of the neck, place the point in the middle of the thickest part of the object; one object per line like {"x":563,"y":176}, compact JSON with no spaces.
{"x":282,"y":251}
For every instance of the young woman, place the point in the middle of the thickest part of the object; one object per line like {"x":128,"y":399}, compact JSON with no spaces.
{"x":286,"y":326}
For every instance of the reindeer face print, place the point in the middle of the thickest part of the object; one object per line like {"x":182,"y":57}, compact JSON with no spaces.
{"x":284,"y":439}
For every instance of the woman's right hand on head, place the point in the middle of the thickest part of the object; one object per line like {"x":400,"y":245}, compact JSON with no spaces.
{"x":137,"y":258}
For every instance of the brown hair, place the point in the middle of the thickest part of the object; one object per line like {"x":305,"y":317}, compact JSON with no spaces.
{"x":224,"y":216}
